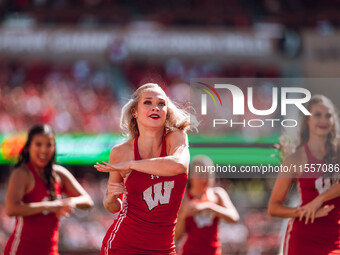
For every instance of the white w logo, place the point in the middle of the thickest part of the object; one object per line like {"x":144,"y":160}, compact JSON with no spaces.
{"x":323,"y":184}
{"x":152,"y":200}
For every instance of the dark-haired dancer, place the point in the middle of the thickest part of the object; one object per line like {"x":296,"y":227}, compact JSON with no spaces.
{"x":34,"y":196}
{"x":314,"y":226}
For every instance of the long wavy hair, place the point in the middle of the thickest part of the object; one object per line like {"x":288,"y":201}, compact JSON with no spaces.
{"x":331,"y":142}
{"x":176,"y":118}
{"x":24,"y":156}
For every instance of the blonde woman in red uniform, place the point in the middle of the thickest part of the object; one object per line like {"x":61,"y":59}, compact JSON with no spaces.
{"x":314,"y":226}
{"x":34,"y":196}
{"x":202,"y":208}
{"x":150,"y":170}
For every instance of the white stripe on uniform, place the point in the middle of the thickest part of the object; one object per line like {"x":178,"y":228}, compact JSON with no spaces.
{"x":17,"y":236}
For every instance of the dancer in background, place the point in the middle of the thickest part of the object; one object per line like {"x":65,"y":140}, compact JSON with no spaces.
{"x":314,"y":226}
{"x":202,"y":208}
{"x":150,"y":170}
{"x":34,"y":196}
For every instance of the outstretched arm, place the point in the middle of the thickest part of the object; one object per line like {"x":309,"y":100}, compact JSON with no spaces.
{"x":175,"y":163}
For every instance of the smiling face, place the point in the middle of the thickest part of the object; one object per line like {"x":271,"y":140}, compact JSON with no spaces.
{"x":321,"y":122}
{"x":151,"y":108}
{"x":41,"y":150}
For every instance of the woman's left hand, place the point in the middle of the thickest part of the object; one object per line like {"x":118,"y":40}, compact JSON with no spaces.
{"x":309,"y":210}
{"x":123,"y":168}
{"x":66,"y":208}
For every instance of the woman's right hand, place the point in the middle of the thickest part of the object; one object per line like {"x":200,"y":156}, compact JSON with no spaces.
{"x":114,"y":190}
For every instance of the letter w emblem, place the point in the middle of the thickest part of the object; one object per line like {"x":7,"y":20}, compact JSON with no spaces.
{"x":154,"y":196}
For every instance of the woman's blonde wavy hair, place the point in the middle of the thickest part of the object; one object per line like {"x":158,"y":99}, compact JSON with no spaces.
{"x":331,"y":142}
{"x":176,"y":118}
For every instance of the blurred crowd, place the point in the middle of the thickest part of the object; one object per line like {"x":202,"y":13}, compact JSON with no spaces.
{"x":82,"y":97}
{"x":33,"y":95}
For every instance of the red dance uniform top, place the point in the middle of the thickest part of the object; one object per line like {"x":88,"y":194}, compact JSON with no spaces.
{"x":35,"y":234}
{"x":321,"y":237}
{"x":146,"y":223}
{"x":202,"y":232}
